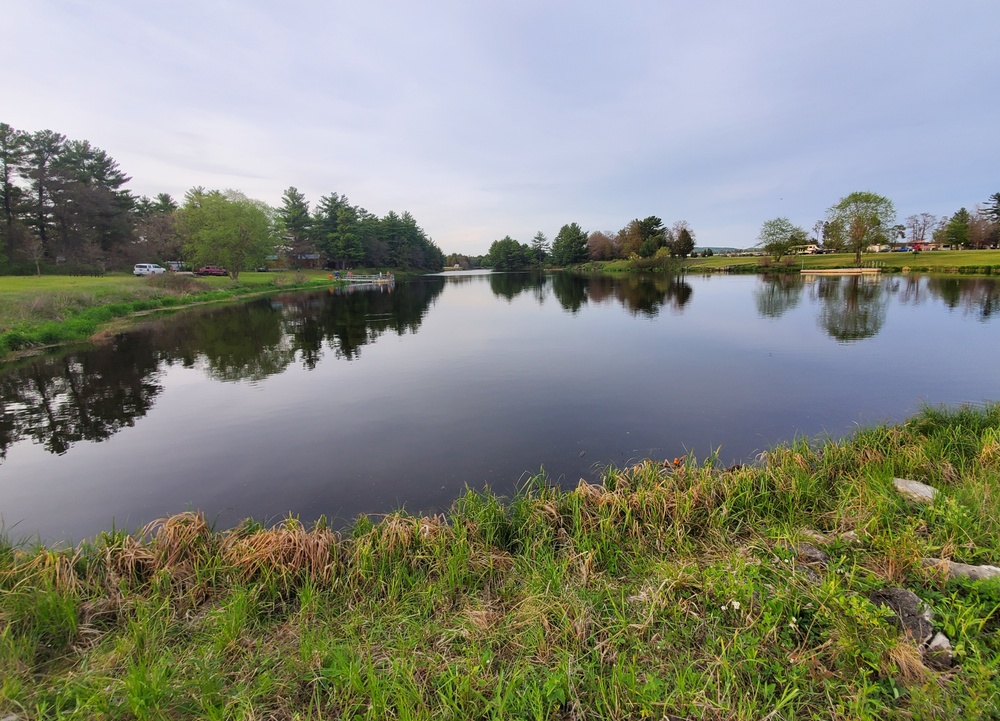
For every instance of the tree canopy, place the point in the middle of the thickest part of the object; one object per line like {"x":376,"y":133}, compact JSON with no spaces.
{"x":866,"y":219}
{"x":508,"y":254}
{"x":569,"y":246}
{"x":227,"y":229}
{"x":779,"y":236}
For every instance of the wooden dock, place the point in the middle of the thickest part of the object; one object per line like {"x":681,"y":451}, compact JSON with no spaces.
{"x":841,"y":271}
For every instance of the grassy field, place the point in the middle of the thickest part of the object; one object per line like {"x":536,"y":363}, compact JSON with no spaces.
{"x":939,"y":261}
{"x":46,"y":310}
{"x":675,"y":590}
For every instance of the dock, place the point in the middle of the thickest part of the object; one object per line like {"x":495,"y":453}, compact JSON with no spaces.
{"x":842,"y":271}
{"x":378,"y":279}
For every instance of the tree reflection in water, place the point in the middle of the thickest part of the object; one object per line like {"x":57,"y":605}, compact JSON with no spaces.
{"x":778,"y":294}
{"x":853,"y":307}
{"x":91,"y":394}
{"x":639,"y":295}
{"x":85,"y":396}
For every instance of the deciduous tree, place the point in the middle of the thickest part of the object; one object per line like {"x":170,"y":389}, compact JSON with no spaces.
{"x":779,"y":236}
{"x":601,"y":245}
{"x":227,"y":229}
{"x":867,"y":219}
{"x":508,"y":254}
{"x":919,"y":226}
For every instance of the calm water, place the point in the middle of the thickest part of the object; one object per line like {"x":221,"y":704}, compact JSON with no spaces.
{"x":364,"y":402}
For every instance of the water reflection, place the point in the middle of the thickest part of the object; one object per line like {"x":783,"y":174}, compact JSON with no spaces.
{"x":81,"y":397}
{"x":776,"y":295}
{"x":92,"y":394}
{"x":978,"y":296}
{"x":853,"y":307}
{"x":514,"y":372}
{"x":639,"y":295}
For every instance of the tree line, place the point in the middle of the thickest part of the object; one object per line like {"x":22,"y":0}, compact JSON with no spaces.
{"x":639,"y":239}
{"x":65,"y":203}
{"x":863,"y":220}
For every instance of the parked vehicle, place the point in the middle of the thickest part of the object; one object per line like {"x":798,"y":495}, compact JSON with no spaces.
{"x":141,"y":269}
{"x":211,"y":270}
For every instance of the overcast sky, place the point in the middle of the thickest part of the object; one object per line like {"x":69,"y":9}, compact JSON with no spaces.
{"x":485,"y":119}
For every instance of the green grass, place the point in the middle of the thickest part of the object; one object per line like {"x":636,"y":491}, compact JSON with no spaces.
{"x":671,"y":589}
{"x":937,"y":261}
{"x":47,"y":310}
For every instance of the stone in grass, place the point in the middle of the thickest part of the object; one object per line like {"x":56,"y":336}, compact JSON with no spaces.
{"x":938,"y":654}
{"x":962,"y":570}
{"x":914,"y":490}
{"x":912,"y":615}
{"x":808,"y":553}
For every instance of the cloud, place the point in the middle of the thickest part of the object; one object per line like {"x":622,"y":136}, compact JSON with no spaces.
{"x":486,"y":120}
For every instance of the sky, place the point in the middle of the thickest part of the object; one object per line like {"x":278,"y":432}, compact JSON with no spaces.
{"x":487,"y":119}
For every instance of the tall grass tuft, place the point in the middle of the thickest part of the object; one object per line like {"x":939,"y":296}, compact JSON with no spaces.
{"x":672,"y":589}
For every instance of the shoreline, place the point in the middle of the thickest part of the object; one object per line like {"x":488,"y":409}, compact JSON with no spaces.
{"x":671,"y":589}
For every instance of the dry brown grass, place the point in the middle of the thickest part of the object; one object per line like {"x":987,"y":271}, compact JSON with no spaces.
{"x":286,"y":552}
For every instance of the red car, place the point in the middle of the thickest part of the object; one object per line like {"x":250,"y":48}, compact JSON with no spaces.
{"x":211,"y":270}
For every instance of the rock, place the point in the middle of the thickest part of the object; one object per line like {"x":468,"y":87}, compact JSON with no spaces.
{"x":849,"y":537}
{"x":962,"y":570}
{"x":912,"y":616}
{"x":10,"y":717}
{"x":808,"y":553}
{"x":938,"y":655}
{"x":914,"y":490}
{"x":815,"y":537}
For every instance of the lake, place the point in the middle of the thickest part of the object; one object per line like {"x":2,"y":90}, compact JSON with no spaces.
{"x":367,"y":400}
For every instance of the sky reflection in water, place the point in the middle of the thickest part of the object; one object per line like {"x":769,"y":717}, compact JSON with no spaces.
{"x":363,"y":402}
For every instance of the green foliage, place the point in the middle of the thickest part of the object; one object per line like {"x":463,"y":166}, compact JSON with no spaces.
{"x":296,"y":225}
{"x":683,"y":243}
{"x":508,"y":254}
{"x":863,"y":218}
{"x":652,"y":235}
{"x":992,"y":208}
{"x":956,"y":230}
{"x":569,"y":246}
{"x":779,"y":237}
{"x":539,"y":248}
{"x":227,"y":229}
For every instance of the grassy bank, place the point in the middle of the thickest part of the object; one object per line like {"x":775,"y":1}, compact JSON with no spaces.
{"x":40,"y":311}
{"x":938,"y":261}
{"x":979,"y":262}
{"x":675,"y":590}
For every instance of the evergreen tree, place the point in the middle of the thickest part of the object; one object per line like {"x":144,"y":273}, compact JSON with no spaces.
{"x":13,"y":153}
{"x":569,"y":246}
{"x":508,"y":254}
{"x":44,"y":147}
{"x":539,"y":248}
{"x":297,"y":225}
{"x":956,"y":232}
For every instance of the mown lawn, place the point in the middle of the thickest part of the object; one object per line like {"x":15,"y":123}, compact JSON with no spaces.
{"x":927,"y":261}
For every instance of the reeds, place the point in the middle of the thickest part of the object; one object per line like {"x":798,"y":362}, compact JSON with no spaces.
{"x":671,"y":589}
